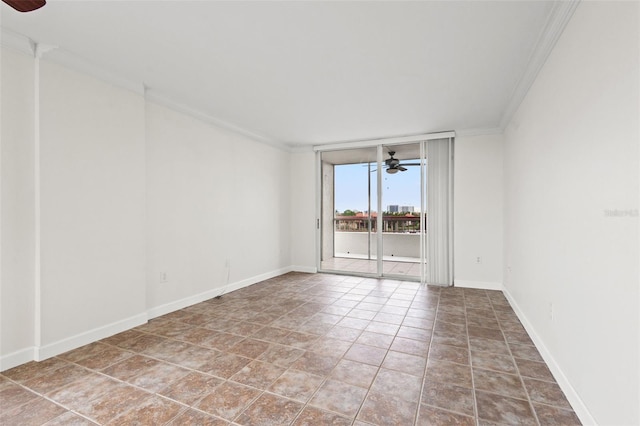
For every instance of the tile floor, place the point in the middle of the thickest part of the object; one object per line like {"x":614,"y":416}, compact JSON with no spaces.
{"x":303,"y":349}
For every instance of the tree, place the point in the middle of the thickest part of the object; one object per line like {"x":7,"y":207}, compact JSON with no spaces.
{"x":348,"y":213}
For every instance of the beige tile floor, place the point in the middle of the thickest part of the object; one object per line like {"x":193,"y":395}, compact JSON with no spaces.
{"x":303,"y":349}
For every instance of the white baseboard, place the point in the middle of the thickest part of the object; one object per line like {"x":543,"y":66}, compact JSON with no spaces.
{"x":305,"y":269}
{"x":61,"y":346}
{"x":50,"y":350}
{"x":176,"y":305}
{"x":16,"y":358}
{"x":256,"y":279}
{"x":576,"y":402}
{"x":482,"y":285}
{"x":210,"y":294}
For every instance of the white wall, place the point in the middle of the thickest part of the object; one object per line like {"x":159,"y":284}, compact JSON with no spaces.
{"x":303,"y":211}
{"x":128,"y":190}
{"x":571,"y":155}
{"x":92,"y":168}
{"x":17,"y":215}
{"x":478,"y":211}
{"x":218,"y":210}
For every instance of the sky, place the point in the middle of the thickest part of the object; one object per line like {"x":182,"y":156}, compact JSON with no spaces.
{"x":402,"y":188}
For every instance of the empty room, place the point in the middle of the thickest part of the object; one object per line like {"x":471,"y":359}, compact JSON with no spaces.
{"x":319,"y":212}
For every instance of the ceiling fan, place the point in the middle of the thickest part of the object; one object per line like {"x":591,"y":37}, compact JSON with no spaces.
{"x":25,"y":5}
{"x":393,"y":165}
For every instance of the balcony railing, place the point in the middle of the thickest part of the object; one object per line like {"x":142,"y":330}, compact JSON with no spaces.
{"x":390,"y":223}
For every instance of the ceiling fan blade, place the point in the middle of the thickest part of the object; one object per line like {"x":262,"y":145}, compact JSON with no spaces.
{"x":25,"y":5}
{"x":409,"y":164}
{"x":402,"y":169}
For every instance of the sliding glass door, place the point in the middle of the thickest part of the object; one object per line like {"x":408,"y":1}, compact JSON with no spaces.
{"x":375,"y":205}
{"x":402,"y":170}
{"x":349,"y":206}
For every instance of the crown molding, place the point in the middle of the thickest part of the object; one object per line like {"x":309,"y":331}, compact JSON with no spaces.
{"x":480,"y":131}
{"x":84,"y":66}
{"x":15,"y":41}
{"x":54,"y":54}
{"x":152,"y":95}
{"x":300,"y":149}
{"x":558,"y":18}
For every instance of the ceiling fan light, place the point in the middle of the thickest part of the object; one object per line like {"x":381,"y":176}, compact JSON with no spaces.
{"x":25,"y":5}
{"x":392,"y":170}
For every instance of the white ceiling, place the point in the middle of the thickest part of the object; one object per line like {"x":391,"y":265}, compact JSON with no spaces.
{"x":301,"y":73}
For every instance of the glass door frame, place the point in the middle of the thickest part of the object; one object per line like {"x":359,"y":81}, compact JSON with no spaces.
{"x":379,"y":144}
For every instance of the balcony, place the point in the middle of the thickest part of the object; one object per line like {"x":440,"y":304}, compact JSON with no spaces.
{"x":354,"y":244}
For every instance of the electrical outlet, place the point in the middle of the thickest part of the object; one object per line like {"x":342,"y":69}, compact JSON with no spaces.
{"x":163,"y":277}
{"x":551,"y":311}
{"x":478,"y":259}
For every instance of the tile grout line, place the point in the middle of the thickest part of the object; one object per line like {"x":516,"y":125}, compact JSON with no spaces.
{"x":473,"y":383}
{"x":147,"y":391}
{"x":326,"y":378}
{"x":382,"y":362}
{"x":357,"y":413}
{"x":44,"y":396}
{"x":306,"y":403}
{"x":513,"y":359}
{"x":426,"y":360}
